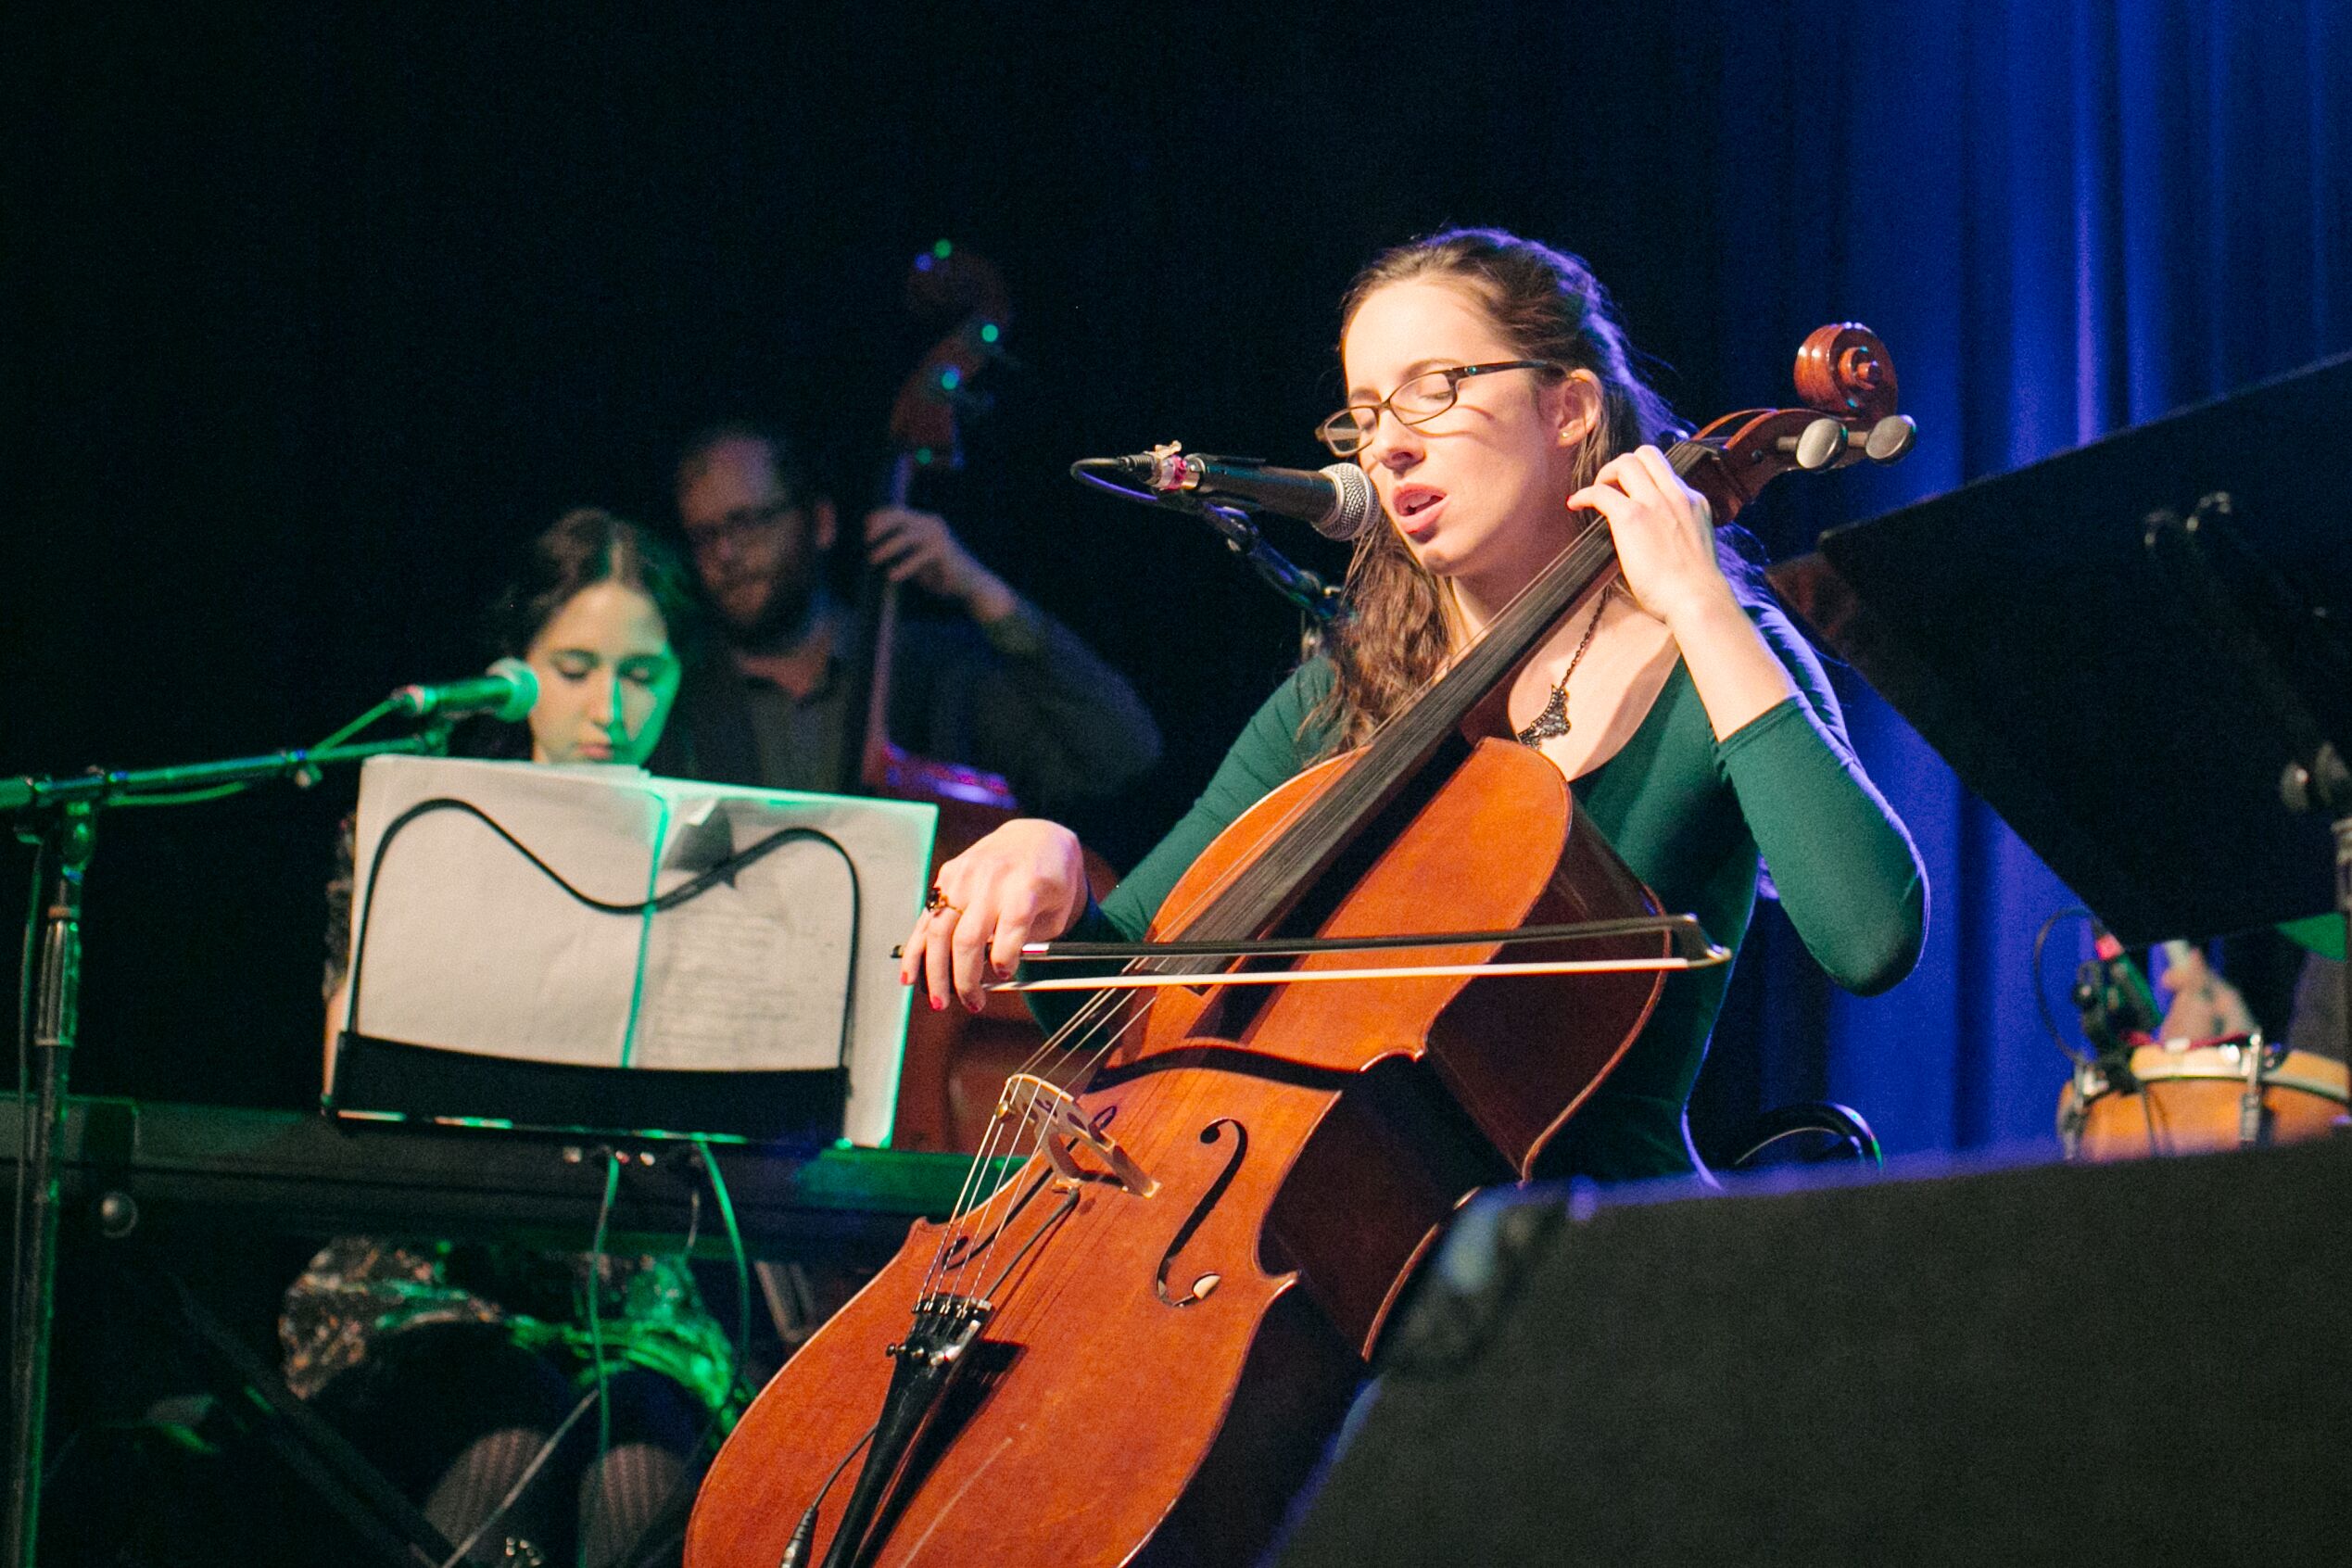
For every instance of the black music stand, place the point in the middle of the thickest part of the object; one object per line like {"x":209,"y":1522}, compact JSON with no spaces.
{"x":2129,"y":649}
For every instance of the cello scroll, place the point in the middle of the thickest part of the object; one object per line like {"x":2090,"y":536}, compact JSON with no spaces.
{"x":1848,"y":383}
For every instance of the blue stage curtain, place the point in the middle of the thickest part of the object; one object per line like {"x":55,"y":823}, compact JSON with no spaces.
{"x":2066,"y":217}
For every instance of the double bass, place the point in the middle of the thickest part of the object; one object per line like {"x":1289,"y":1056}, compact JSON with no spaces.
{"x":1130,"y":1348}
{"x":953,"y":1061}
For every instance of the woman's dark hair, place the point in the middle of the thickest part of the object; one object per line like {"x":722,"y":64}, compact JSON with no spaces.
{"x":585,"y":547}
{"x":1548,"y":306}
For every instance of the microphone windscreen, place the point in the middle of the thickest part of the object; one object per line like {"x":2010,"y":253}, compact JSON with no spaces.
{"x":1355,"y":507}
{"x":523,"y":690}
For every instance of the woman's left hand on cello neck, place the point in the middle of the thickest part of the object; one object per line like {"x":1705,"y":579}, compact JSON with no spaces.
{"x":1667,"y":549}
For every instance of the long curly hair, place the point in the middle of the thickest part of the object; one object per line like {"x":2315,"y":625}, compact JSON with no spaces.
{"x":1548,"y":306}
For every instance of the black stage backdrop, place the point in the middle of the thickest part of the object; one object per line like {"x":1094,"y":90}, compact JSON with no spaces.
{"x":314,"y":313}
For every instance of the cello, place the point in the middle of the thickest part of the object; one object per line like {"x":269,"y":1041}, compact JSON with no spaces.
{"x":1132,"y":1347}
{"x":953,"y":1061}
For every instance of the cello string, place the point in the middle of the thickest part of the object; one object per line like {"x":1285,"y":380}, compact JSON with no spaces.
{"x":1080,"y":1019}
{"x":1020,"y":1113}
{"x":964,"y":1206}
{"x":1045,"y":1228}
{"x":1038,"y":1305}
{"x":1005,"y":1115}
{"x":1067,"y":1043}
{"x":1418,"y":725}
{"x":1054,"y":1047}
{"x":983,"y":1255}
{"x":971,"y":1225}
{"x":1100,"y":1050}
{"x":966,"y":1211}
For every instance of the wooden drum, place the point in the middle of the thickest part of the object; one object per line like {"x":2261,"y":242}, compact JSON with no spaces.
{"x":2183,"y":1099}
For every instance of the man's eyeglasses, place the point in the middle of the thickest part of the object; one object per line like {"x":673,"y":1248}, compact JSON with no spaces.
{"x":735,"y":526}
{"x":1416,"y":403}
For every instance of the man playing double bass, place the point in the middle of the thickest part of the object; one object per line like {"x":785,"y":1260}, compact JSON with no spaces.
{"x":1002,"y":687}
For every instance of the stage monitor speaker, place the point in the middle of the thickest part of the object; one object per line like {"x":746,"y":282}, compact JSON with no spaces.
{"x":2141,"y":1363}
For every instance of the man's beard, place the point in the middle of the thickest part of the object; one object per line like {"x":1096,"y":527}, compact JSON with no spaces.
{"x":794,"y":601}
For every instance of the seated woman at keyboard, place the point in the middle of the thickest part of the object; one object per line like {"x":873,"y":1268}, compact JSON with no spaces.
{"x":454,"y":1367}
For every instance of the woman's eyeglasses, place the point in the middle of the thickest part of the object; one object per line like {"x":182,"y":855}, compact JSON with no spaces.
{"x":1416,"y":403}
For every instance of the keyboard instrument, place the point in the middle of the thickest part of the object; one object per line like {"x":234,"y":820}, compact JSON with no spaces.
{"x":128,"y":1167}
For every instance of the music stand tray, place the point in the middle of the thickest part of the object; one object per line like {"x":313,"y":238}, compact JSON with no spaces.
{"x":2025,"y":626}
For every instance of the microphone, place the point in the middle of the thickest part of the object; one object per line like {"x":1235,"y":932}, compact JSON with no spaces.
{"x":506,"y":692}
{"x":2113,"y":995}
{"x":1336,"y":500}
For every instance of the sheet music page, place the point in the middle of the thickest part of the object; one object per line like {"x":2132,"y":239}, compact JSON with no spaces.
{"x":469,"y":947}
{"x":756,"y":975}
{"x":753,"y":975}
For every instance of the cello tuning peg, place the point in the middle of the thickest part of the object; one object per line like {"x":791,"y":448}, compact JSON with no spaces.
{"x":1820,"y":444}
{"x":1890,"y":439}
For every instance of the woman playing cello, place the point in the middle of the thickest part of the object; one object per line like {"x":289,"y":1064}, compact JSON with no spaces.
{"x":1489,"y":382}
{"x":1221,"y":1191}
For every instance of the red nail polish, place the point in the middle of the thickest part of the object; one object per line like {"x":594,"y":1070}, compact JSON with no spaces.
{"x":938,"y":1006}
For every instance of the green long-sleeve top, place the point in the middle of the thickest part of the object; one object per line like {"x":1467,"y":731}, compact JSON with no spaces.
{"x":1690,"y":815}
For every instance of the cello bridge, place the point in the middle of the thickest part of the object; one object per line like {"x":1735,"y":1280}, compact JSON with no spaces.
{"x":1063,"y":1132}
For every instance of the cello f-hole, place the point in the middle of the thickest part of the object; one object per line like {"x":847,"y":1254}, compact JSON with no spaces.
{"x":1206,"y":1281}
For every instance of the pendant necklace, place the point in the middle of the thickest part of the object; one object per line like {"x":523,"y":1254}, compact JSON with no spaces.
{"x":1553,"y":720}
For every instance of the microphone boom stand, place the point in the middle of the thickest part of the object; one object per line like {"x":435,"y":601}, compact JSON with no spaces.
{"x":61,"y":816}
{"x":1318,"y":601}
